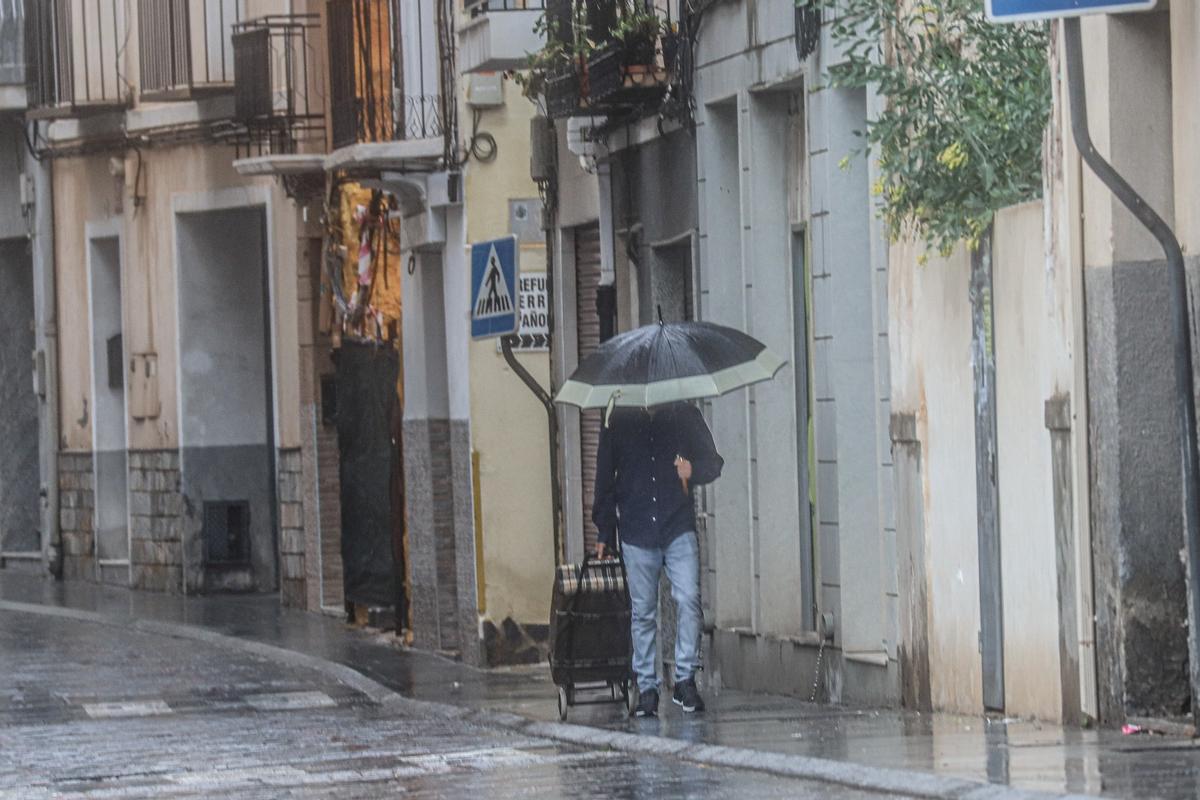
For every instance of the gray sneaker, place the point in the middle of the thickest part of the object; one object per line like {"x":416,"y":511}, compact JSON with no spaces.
{"x":647,"y":704}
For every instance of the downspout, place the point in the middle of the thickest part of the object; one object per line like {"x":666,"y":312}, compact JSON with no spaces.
{"x":1185,"y":404}
{"x":39,"y":208}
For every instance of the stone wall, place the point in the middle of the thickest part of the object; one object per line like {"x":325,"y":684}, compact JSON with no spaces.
{"x":76,"y":515}
{"x":329,"y":500}
{"x":156,"y":519}
{"x":293,"y":581}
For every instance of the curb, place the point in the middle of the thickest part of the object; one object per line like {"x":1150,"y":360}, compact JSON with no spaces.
{"x":854,"y":776}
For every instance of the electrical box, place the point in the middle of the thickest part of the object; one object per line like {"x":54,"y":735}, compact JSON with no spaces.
{"x":543,"y":149}
{"x":39,"y":373}
{"x":486,"y":90}
{"x":26,"y":190}
{"x":525,"y":220}
{"x":144,"y":402}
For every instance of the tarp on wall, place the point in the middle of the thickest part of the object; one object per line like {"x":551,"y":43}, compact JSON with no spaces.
{"x":367,"y":407}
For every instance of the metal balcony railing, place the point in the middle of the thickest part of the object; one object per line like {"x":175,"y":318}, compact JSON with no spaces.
{"x":12,"y":44}
{"x":477,"y":7}
{"x":72,"y":56}
{"x":186,"y":47}
{"x":383,"y":80}
{"x":276,"y":91}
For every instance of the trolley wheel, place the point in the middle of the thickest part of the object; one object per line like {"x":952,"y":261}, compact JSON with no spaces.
{"x":563,"y":703}
{"x":630,"y":690}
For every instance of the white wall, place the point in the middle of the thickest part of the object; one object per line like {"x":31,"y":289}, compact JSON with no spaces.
{"x":223,"y":359}
{"x":1026,"y":334}
{"x":932,"y":379}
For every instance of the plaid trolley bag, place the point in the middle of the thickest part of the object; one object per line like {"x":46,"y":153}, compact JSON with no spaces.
{"x":590,"y":644}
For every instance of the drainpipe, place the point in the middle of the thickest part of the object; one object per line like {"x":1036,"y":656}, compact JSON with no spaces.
{"x":37,"y":199}
{"x":1181,"y":328}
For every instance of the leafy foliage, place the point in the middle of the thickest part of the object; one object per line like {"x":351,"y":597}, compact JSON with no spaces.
{"x":965,"y":105}
{"x":636,"y":27}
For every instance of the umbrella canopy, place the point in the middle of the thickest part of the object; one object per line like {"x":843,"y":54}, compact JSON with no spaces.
{"x":666,"y":363}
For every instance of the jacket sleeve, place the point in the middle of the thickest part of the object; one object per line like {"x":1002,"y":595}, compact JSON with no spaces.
{"x":604,"y":497}
{"x":699,"y":447}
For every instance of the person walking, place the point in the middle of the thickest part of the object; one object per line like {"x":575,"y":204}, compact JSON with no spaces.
{"x":648,"y":464}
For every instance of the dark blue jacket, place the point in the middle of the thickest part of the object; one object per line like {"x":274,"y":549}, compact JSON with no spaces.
{"x":637,"y":487}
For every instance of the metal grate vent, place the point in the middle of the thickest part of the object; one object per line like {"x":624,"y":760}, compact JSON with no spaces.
{"x":227,"y":532}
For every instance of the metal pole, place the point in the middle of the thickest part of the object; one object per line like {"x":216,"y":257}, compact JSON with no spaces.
{"x":1180,"y":326}
{"x":506,"y":343}
{"x":549,"y":403}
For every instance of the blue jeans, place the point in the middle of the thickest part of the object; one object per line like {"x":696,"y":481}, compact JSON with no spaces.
{"x":681,"y":560}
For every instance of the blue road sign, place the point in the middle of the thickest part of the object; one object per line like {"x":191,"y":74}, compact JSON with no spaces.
{"x":495,"y":310}
{"x":1020,"y":10}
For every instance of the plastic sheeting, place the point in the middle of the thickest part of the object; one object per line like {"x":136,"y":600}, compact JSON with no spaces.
{"x":368,"y":412}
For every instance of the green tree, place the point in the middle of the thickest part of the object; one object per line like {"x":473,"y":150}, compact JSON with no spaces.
{"x":965,"y":105}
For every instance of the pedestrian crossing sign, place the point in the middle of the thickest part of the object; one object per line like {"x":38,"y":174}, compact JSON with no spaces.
{"x":495,"y":310}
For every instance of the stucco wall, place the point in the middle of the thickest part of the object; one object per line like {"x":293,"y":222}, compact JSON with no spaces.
{"x":188,"y":178}
{"x":1028,"y":309}
{"x":932,"y":379}
{"x":508,"y":424}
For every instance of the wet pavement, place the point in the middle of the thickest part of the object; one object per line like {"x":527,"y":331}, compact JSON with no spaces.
{"x":1022,"y":754}
{"x":91,"y":711}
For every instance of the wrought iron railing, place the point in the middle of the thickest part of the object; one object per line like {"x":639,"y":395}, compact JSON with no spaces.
{"x":186,"y":46}
{"x":383,"y":84}
{"x":12,"y":43}
{"x":72,"y":56}
{"x":276,"y":90}
{"x":477,"y":7}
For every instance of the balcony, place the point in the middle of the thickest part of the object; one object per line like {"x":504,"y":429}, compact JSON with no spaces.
{"x":277,"y":102}
{"x":12,"y":56}
{"x":186,"y":48}
{"x":72,"y":57}
{"x":384,"y":82}
{"x":499,"y":34}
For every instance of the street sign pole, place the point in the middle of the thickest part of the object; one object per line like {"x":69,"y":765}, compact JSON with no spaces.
{"x":1180,"y":326}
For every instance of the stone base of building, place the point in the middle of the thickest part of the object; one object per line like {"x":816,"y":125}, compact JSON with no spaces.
{"x":156,"y":521}
{"x":441,"y":537}
{"x":742,"y":660}
{"x":510,"y":642}
{"x":76,"y":515}
{"x":293,"y":581}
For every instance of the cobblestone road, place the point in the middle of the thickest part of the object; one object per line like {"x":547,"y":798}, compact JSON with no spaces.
{"x":97,"y":711}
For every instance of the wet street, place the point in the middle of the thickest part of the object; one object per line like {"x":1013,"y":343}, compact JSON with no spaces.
{"x":90,"y":710}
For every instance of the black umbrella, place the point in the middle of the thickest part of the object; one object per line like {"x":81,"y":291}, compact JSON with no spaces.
{"x":668,"y":362}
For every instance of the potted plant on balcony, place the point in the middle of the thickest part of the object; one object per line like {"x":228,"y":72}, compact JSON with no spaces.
{"x":626,"y":70}
{"x":558,"y":71}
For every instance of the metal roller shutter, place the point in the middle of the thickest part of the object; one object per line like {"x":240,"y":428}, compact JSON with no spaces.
{"x":587,"y":280}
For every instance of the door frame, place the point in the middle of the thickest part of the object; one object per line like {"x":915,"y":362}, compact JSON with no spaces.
{"x":94,"y":231}
{"x":256,"y":199}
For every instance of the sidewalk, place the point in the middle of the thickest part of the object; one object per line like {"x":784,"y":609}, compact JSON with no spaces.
{"x":1023,"y":755}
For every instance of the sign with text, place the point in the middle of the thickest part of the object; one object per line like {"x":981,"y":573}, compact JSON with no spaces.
{"x":1023,"y":10}
{"x":533,"y":333}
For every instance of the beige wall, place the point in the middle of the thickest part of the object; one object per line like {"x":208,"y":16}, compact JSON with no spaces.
{"x":1185,"y":115}
{"x":191,"y":177}
{"x":930,"y":337}
{"x":1034,"y":306}
{"x":1028,"y":325}
{"x":508,"y":424}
